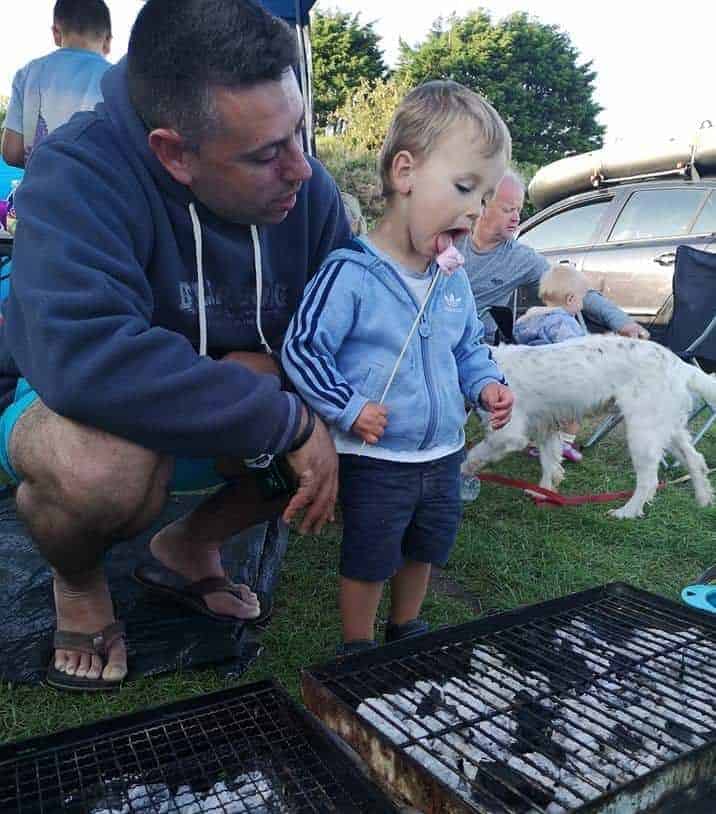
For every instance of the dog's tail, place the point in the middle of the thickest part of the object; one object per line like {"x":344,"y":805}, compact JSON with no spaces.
{"x":703,"y":385}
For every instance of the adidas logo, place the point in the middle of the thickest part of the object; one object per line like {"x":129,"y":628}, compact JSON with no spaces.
{"x":452,"y":302}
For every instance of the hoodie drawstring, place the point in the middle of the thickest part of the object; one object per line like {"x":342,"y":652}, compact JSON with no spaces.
{"x":201,"y":296}
{"x":259,"y":285}
{"x":199,"y":278}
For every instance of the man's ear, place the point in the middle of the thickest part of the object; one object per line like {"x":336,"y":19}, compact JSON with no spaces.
{"x":57,"y":35}
{"x":106,"y":44}
{"x":401,"y":170}
{"x":171,"y":150}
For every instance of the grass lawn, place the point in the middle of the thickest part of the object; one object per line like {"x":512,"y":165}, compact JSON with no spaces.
{"x":509,"y":552}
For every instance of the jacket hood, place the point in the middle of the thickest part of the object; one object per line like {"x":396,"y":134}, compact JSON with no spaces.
{"x":117,"y":109}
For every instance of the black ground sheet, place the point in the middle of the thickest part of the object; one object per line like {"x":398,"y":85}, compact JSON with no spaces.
{"x":161,"y":635}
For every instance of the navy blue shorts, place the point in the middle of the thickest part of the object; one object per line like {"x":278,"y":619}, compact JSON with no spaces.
{"x":396,"y":511}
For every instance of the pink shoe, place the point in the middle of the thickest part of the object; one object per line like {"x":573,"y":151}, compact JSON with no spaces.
{"x":571,"y":453}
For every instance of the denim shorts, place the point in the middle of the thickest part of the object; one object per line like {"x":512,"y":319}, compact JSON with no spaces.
{"x":393,"y":511}
{"x":190,"y":474}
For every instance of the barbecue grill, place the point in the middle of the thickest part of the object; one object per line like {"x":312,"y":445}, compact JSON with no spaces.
{"x":602,"y":701}
{"x":248,"y":749}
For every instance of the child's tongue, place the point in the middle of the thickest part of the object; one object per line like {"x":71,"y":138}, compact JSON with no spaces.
{"x":443,"y":242}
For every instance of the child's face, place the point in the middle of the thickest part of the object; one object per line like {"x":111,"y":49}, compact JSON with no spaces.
{"x":575,"y":301}
{"x":449,"y":186}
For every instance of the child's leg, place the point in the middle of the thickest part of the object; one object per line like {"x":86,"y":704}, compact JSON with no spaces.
{"x":429,"y":537}
{"x":407,"y":591}
{"x":359,"y":602}
{"x":378,"y":500}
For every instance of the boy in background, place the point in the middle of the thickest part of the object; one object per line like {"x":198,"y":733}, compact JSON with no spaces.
{"x":48,"y":90}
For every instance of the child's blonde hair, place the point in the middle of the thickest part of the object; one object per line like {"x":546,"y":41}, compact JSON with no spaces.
{"x":430,"y":110}
{"x":560,"y":281}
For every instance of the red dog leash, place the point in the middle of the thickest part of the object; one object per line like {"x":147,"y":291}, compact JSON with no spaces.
{"x":549,"y":496}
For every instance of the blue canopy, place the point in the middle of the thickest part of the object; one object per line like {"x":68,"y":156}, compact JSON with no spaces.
{"x":288,"y":8}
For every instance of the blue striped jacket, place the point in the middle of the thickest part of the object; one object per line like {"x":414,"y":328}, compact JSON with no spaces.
{"x":347,"y":333}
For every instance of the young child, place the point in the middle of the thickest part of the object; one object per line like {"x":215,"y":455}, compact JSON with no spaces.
{"x":562,"y":291}
{"x":400,"y":456}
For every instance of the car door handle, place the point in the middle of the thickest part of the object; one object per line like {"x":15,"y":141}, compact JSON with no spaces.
{"x":666,"y":259}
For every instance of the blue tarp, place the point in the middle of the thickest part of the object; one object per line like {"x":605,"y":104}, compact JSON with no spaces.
{"x":287,"y":8}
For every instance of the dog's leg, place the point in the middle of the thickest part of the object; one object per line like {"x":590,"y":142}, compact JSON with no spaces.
{"x":694,"y":461}
{"x":495,"y":445}
{"x":646,"y":446}
{"x":550,"y":458}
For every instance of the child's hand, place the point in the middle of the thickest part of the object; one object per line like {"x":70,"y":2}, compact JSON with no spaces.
{"x":371,"y":422}
{"x":497,"y":399}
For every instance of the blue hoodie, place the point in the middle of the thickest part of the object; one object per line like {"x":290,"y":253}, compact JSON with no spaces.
{"x":103,"y":317}
{"x":348,"y":332}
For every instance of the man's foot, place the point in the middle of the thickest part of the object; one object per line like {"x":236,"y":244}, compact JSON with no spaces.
{"x":197,"y":562}
{"x":87,"y":609}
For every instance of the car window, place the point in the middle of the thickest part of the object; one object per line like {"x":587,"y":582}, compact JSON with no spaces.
{"x":657,"y":213}
{"x":706,"y":221}
{"x":571,"y":227}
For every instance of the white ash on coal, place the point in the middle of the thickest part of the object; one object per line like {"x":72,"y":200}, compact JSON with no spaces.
{"x":251,"y":793}
{"x":551,"y":717}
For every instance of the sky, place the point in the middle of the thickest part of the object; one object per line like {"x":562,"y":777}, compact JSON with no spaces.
{"x":655,"y":76}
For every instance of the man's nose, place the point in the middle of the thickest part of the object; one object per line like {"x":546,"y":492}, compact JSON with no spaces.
{"x":295,"y":167}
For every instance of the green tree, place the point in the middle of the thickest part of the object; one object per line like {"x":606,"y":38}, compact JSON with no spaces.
{"x":528,"y":70}
{"x":367,"y":112}
{"x":345,"y":53}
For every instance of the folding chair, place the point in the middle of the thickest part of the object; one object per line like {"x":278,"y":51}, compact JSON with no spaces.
{"x":691,"y":332}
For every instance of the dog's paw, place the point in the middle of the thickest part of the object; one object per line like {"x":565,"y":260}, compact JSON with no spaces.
{"x":626,"y":513}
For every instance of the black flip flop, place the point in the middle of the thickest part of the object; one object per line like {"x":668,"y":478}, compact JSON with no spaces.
{"x":96,"y":644}
{"x":165,"y":582}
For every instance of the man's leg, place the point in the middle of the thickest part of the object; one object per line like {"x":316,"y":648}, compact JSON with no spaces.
{"x":81,"y":490}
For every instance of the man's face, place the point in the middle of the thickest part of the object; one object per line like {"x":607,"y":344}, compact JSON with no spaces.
{"x":501,"y":217}
{"x":252,"y":168}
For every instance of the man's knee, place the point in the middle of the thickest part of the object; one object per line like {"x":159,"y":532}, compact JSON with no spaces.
{"x":88,"y":472}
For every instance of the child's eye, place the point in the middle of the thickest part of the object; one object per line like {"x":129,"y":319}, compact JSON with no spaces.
{"x":463,"y":189}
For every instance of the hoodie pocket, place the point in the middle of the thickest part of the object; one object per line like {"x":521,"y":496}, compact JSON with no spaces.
{"x":374,"y":381}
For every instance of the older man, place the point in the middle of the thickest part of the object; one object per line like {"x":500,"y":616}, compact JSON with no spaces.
{"x":496,"y":264}
{"x":163,"y":243}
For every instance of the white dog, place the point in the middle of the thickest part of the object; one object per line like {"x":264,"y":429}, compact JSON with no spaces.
{"x":650,"y":385}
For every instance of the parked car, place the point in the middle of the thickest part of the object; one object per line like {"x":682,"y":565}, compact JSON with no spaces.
{"x":624,"y":239}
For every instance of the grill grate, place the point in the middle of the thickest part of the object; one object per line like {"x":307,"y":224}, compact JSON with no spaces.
{"x":557,"y":708}
{"x":249,"y":749}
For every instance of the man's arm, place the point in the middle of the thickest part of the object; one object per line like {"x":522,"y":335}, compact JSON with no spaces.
{"x":13,"y":142}
{"x":13,"y":148}
{"x":597,"y":308}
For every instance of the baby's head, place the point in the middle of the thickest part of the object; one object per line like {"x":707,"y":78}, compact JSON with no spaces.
{"x":563,"y":287}
{"x":445,"y":152}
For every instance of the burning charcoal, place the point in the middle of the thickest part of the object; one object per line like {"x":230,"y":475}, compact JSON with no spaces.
{"x":497,"y":780}
{"x":429,"y":703}
{"x":678,"y":730}
{"x":625,"y":739}
{"x":534,"y":728}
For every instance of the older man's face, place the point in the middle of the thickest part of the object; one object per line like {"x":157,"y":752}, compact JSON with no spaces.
{"x":251,"y":170}
{"x":501,"y":217}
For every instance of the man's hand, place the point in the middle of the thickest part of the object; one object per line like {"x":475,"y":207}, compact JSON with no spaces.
{"x":633,"y":330}
{"x":497,"y":399}
{"x":316,"y":468}
{"x":259,"y":362}
{"x":371,"y":422}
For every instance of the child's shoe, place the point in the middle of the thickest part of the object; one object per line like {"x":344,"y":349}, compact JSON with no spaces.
{"x":415,"y":627}
{"x":571,"y":453}
{"x":355,"y":646}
